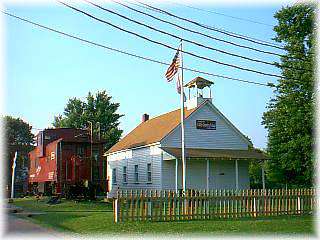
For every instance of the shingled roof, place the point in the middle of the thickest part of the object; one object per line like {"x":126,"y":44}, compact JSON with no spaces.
{"x":150,"y":131}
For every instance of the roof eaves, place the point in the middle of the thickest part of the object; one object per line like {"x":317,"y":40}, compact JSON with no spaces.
{"x":131,"y":148}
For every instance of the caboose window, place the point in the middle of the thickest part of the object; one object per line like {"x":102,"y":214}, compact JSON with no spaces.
{"x":40,"y":138}
{"x":80,"y":151}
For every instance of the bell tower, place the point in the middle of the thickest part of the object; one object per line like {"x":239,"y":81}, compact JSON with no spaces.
{"x":199,"y":91}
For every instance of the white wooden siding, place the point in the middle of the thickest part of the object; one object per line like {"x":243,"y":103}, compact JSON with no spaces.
{"x":223,"y":174}
{"x":163,"y":171}
{"x":196,"y":176}
{"x":224,"y":137}
{"x":140,"y":157}
{"x":244,"y":181}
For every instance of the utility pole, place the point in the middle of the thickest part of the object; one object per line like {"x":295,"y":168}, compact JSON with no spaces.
{"x":91,"y":139}
{"x":99,"y":130}
{"x":13,"y":173}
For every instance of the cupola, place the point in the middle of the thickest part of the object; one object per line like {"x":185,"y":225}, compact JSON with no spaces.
{"x":199,"y":90}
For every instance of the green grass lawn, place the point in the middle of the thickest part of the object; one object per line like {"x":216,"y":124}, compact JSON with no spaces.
{"x":73,"y":217}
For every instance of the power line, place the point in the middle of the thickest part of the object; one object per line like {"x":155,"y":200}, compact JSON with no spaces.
{"x":193,"y":42}
{"x":206,"y":35}
{"x":197,"y":32}
{"x":222,"y":31}
{"x":132,"y":54}
{"x":213,"y":28}
{"x":223,"y":14}
{"x":180,"y":38}
{"x":168,"y":46}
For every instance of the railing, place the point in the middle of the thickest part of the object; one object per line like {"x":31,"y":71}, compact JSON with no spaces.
{"x":147,"y":205}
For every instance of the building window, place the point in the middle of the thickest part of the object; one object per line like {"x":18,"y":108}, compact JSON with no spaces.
{"x":149,"y":174}
{"x":114,"y":176}
{"x":136,"y":173}
{"x":124,"y":174}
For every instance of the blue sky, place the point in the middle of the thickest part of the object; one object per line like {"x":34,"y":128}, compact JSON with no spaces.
{"x":44,"y":69}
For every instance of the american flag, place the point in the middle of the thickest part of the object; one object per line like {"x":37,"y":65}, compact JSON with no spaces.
{"x":179,"y":88}
{"x":179,"y":84}
{"x":174,"y":67}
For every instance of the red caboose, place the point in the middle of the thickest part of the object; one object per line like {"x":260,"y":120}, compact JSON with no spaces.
{"x":64,"y":157}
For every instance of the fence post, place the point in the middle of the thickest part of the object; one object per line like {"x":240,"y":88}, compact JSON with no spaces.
{"x":116,"y":210}
{"x":299,"y":203}
{"x":254,"y":204}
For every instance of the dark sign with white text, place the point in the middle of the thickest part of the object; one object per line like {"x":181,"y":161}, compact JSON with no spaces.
{"x":206,"y":124}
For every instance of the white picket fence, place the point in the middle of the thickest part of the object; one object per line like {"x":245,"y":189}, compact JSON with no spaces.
{"x":147,"y":205}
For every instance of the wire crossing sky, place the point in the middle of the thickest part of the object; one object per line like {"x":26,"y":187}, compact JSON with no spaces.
{"x":186,"y":40}
{"x":198,"y":32}
{"x":169,"y":46}
{"x":230,"y":16}
{"x":44,"y":69}
{"x":132,"y":54}
{"x":223,"y":31}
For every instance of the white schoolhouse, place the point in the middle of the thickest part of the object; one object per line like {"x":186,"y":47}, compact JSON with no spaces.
{"x":217,"y":153}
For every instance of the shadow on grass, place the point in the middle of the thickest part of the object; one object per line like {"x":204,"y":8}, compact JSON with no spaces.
{"x":57,"y":221}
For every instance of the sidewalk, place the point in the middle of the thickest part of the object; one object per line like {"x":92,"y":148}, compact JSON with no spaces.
{"x":16,"y":226}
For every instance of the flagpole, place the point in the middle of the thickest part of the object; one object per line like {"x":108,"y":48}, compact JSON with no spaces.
{"x":13,"y":174}
{"x":182,"y":125}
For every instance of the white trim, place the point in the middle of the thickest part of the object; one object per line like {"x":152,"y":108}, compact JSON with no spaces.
{"x":123,"y":150}
{"x":155,"y":150}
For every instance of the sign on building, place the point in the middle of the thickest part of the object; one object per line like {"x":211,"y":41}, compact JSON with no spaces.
{"x":206,"y":124}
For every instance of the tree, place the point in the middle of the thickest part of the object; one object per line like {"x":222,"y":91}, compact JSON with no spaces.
{"x":18,"y":137}
{"x":18,"y":132}
{"x":290,"y":114}
{"x":96,"y":109}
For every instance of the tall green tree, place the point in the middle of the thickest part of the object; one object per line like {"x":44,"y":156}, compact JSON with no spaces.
{"x":18,"y":137}
{"x":17,"y":132}
{"x":290,"y":114}
{"x":97,"y":109}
